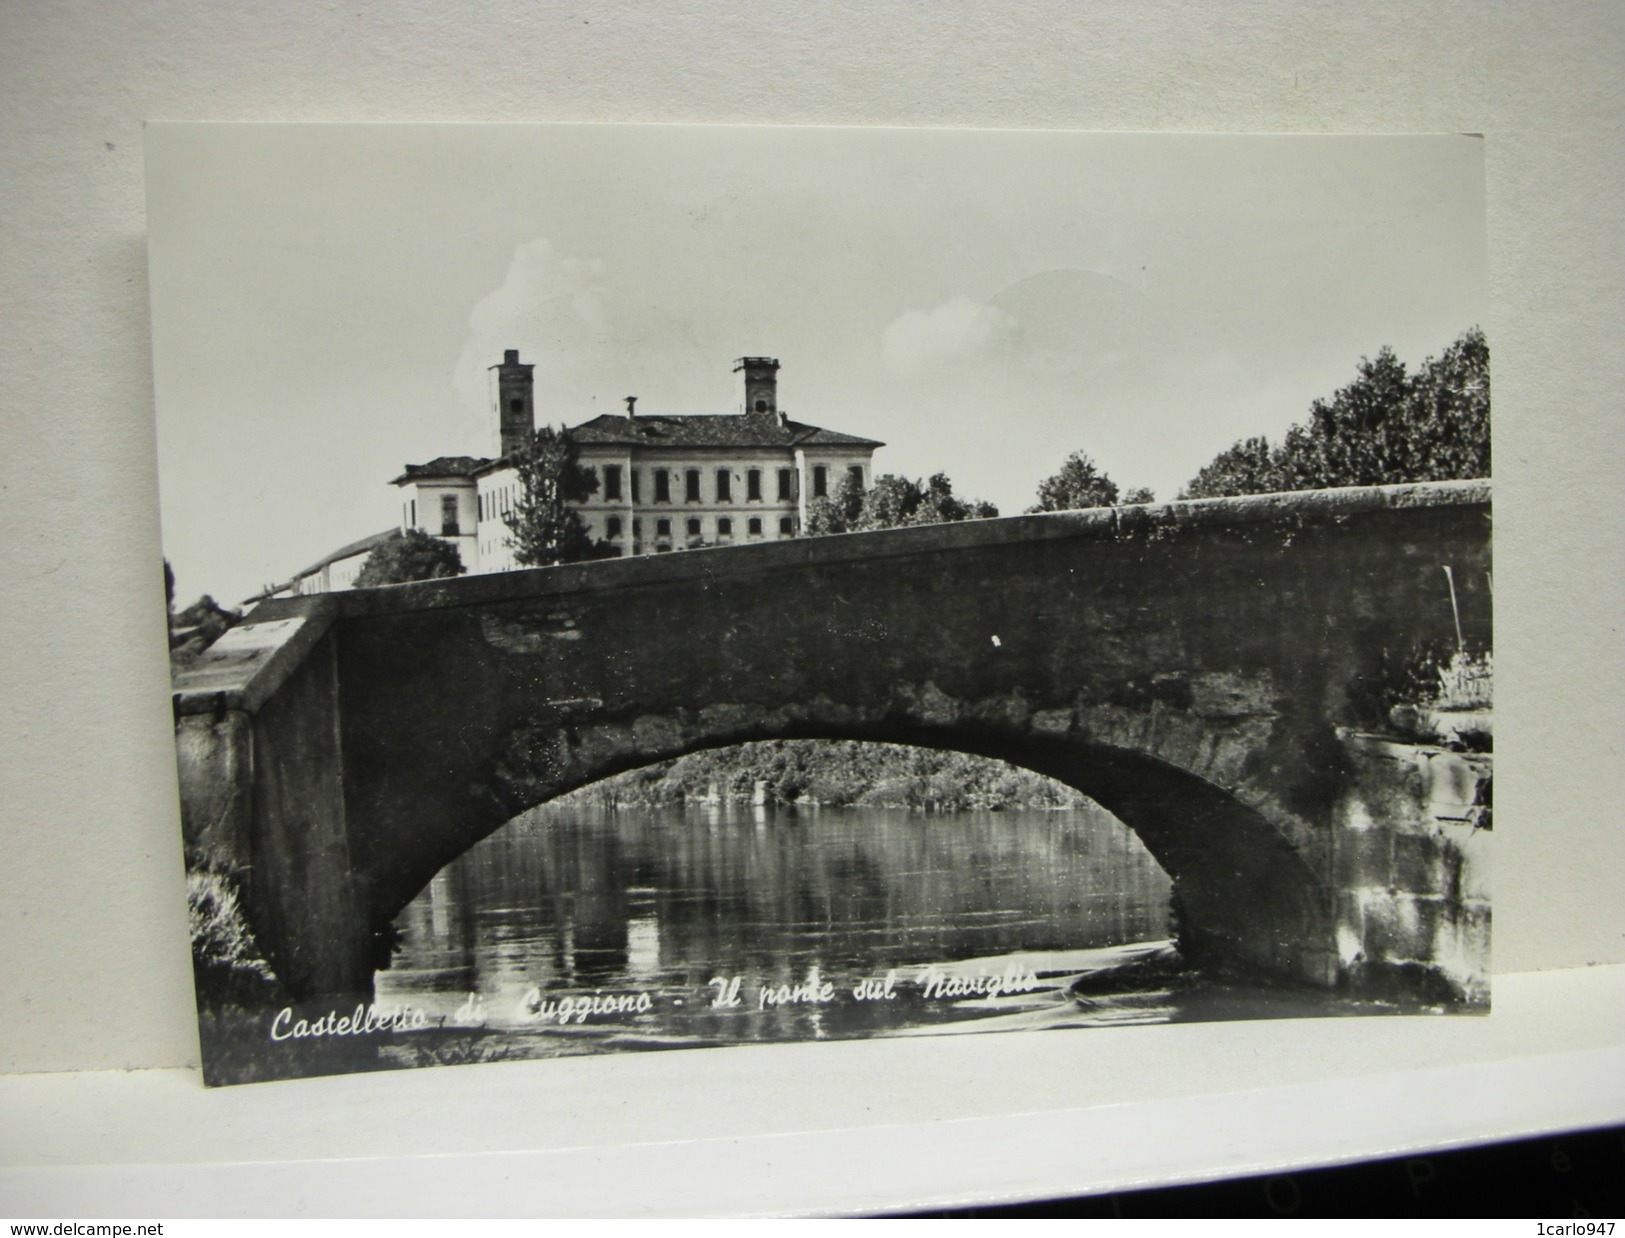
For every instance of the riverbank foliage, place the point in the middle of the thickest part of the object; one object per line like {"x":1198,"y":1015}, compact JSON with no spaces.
{"x":1386,"y":427}
{"x":412,"y":555}
{"x":1080,"y":483}
{"x":834,"y":773}
{"x":225,"y":956}
{"x":893,"y":502}
{"x":195,"y":628}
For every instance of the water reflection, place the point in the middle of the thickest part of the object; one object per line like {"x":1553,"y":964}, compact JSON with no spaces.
{"x":582,"y":926}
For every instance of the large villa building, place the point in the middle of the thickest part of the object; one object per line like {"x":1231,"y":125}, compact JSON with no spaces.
{"x":664,"y":482}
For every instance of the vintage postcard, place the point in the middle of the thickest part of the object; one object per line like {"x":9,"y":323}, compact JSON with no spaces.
{"x":646,"y":587}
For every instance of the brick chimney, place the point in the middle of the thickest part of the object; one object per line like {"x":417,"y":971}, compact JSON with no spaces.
{"x":758,"y":386}
{"x":516,"y":409}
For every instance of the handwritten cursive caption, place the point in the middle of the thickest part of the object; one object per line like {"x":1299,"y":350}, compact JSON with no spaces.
{"x":937,"y":982}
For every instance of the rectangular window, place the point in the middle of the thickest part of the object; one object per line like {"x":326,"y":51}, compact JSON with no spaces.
{"x":820,"y":481}
{"x":691,"y":485}
{"x":855,"y":472}
{"x":637,"y":496}
{"x":612,"y":527}
{"x":725,"y":486}
{"x":725,"y":527}
{"x":693,"y":527}
{"x":755,"y":526}
{"x":663,"y":527}
{"x":448,"y":515}
{"x":662,"y":486}
{"x":786,"y":485}
{"x":414,"y":521}
{"x":612,"y":481}
{"x":753,"y":485}
{"x":787,"y":526}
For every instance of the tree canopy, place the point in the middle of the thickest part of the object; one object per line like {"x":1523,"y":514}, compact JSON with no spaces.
{"x":195,"y":628}
{"x":1385,"y":427}
{"x":543,"y":527}
{"x":413,"y":555}
{"x":892,"y":502}
{"x":1080,"y":483}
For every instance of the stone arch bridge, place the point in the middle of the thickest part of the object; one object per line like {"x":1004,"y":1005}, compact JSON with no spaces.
{"x":1197,"y":668}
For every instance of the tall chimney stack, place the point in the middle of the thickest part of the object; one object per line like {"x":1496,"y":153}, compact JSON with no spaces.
{"x":758,"y":386}
{"x":516,"y":409}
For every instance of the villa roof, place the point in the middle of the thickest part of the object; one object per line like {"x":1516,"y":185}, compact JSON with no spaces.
{"x":709,"y":430}
{"x":443,"y":466}
{"x":657,"y":430}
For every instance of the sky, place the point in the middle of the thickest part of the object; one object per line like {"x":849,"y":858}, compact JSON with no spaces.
{"x":327,"y":299}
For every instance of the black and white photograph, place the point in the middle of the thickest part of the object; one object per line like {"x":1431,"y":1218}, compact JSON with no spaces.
{"x":644,"y":587}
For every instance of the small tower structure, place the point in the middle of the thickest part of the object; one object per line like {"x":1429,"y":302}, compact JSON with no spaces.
{"x":516,"y":407}
{"x":758,"y":386}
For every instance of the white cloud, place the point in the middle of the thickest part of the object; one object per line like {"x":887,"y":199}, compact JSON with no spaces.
{"x":958,"y":331}
{"x":554,"y":309}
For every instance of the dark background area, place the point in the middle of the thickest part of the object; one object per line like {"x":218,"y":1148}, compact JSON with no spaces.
{"x":1552,"y":1178}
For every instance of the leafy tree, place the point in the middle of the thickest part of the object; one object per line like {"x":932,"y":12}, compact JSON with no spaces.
{"x":939,"y":505}
{"x":413,"y":555}
{"x":837,"y":513}
{"x":893,"y":502}
{"x":1449,"y":409}
{"x":198,"y":626}
{"x":1140,"y":494}
{"x":544,"y":527}
{"x":1078,"y":484}
{"x":1383,"y":428}
{"x":1358,"y":437}
{"x":1246,"y":467}
{"x":890,"y":503}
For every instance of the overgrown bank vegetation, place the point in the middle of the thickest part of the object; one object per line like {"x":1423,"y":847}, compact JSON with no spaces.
{"x":837,"y":773}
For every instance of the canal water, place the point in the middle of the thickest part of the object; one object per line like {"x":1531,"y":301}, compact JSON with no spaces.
{"x":587,"y":929}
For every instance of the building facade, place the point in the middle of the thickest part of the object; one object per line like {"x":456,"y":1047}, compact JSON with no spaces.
{"x":665,"y":482}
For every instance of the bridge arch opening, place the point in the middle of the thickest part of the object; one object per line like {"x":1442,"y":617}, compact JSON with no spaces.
{"x":1244,"y":898}
{"x":765,"y":860}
